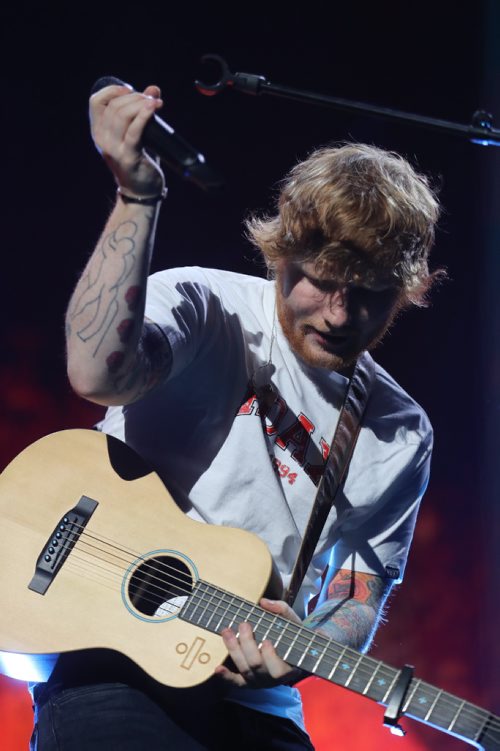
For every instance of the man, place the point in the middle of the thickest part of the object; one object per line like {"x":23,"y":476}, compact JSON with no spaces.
{"x":183,"y":371}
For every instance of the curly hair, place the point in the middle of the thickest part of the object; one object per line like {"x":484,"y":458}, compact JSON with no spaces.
{"x":359,"y":212}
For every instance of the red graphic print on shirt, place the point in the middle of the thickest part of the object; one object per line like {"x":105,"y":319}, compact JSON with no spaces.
{"x":292,"y":433}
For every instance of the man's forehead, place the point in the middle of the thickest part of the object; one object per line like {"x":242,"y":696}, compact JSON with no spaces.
{"x":340,"y":271}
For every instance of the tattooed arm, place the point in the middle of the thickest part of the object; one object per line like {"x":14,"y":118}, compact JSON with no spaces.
{"x":350,"y":616}
{"x":353,"y":609}
{"x":114,"y":355}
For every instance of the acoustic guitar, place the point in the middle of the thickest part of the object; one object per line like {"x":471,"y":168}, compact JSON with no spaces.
{"x":95,"y":553}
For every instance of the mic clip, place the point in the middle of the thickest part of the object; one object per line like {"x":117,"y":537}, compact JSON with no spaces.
{"x":246,"y":82}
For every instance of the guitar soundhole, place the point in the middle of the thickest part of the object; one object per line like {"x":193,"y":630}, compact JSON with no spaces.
{"x":160,"y":586}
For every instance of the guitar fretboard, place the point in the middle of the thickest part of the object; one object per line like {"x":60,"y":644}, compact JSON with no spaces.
{"x":213,"y":609}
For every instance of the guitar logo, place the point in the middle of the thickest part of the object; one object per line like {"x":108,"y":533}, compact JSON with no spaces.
{"x":192,"y":653}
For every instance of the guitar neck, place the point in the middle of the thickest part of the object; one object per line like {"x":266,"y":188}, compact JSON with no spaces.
{"x":213,"y":609}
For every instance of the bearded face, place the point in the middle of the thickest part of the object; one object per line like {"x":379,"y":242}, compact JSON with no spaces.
{"x":329,"y":323}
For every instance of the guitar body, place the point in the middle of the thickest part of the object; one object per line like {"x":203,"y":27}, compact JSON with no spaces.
{"x":113,"y":530}
{"x":94,"y":553}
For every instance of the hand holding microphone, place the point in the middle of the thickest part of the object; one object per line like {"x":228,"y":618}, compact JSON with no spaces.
{"x":124,"y":124}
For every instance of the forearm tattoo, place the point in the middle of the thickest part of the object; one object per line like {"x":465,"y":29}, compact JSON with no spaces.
{"x":353,"y":609}
{"x":103,"y":282}
{"x":108,"y":309}
{"x":150,"y":366}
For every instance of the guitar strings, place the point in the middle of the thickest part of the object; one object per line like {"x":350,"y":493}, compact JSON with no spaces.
{"x":329,"y":649}
{"x":268,"y":619}
{"x":424,"y":688}
{"x":432,"y":692}
{"x":136,"y":557}
{"x":113,"y":576}
{"x":336,"y":654}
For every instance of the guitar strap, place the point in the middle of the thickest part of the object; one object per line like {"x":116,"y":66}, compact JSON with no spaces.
{"x":342,"y":448}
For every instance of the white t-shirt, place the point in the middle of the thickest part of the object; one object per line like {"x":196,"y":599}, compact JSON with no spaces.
{"x":202,"y":432}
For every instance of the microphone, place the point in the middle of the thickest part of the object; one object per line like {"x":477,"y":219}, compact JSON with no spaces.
{"x":160,"y":138}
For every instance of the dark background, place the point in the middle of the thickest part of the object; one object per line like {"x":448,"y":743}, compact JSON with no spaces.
{"x":434,"y":59}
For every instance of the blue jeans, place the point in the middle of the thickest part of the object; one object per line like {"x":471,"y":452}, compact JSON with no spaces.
{"x":116,"y":717}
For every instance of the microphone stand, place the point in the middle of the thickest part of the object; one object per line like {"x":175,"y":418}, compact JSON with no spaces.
{"x":480,"y":131}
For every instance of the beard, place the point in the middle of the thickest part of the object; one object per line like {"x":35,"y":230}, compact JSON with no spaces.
{"x":333,"y":356}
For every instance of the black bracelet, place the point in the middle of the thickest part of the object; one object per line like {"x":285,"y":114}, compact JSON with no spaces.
{"x":144,"y":201}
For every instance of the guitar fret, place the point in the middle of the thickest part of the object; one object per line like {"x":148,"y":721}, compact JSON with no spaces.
{"x":428,"y":703}
{"x":224,"y":613}
{"x":214,"y":610}
{"x":433,"y":705}
{"x":412,"y":694}
{"x":257,"y":625}
{"x":304,"y":652}
{"x":387,"y":693}
{"x":337,"y":662}
{"x":221,"y":611}
{"x":283,"y":629}
{"x":246,"y":611}
{"x":351,"y":676}
{"x":266,"y":632}
{"x":367,"y":687}
{"x":307,"y":648}
{"x":316,"y":664}
{"x":235,"y":616}
{"x":382,"y":681}
{"x":205,"y":608}
{"x":291,"y":646}
{"x":470,"y":724}
{"x":345,"y":672}
{"x":240,"y":615}
{"x":483,"y":728}
{"x":455,"y":717}
{"x":196,"y":604}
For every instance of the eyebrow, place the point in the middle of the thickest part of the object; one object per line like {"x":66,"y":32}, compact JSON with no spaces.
{"x":384,"y":286}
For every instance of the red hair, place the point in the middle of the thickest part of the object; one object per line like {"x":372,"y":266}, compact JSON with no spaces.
{"x":357,"y":211}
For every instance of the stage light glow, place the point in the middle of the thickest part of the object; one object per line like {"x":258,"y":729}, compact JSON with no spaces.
{"x":24,"y":667}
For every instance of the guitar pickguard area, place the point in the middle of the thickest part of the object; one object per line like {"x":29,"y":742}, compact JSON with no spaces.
{"x":157,"y":585}
{"x":60,"y":543}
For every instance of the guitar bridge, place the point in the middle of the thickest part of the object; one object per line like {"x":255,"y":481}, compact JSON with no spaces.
{"x":60,"y":544}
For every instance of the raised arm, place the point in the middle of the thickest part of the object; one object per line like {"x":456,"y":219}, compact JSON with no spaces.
{"x":114,"y":355}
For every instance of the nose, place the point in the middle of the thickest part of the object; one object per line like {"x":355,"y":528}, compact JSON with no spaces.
{"x":337,"y":308}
